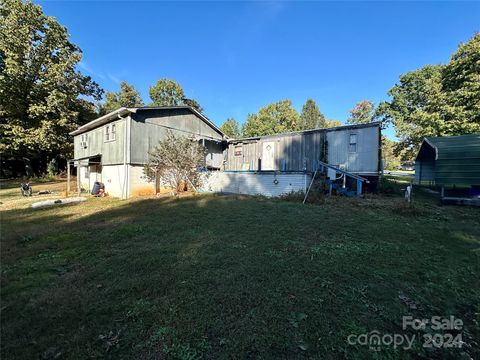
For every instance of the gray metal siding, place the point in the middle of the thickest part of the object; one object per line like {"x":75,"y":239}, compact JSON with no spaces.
{"x":112,"y":151}
{"x":364,"y":159}
{"x":148,"y":128}
{"x":300,"y":151}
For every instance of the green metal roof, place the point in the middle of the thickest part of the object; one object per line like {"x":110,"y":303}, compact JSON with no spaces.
{"x":457,"y":159}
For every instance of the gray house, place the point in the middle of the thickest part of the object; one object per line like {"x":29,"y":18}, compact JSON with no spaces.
{"x":114,"y":148}
{"x":275,"y":164}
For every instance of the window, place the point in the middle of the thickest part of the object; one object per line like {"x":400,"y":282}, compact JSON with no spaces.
{"x":352,"y":145}
{"x":114,"y":129}
{"x":110,"y":132}
{"x":238,"y":150}
{"x":84,"y":141}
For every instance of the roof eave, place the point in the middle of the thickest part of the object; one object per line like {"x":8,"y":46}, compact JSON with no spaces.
{"x":116,"y":114}
{"x":336,"y":128}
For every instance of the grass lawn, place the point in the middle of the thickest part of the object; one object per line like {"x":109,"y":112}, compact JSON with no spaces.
{"x":232,"y":277}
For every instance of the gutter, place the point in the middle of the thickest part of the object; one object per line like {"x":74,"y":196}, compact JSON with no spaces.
{"x":102,"y":120}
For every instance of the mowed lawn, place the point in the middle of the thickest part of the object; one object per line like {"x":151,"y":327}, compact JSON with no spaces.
{"x":232,"y":277}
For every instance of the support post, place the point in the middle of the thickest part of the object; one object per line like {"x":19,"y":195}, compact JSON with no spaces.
{"x":442,"y":193}
{"x":359,"y":187}
{"x":68,"y":177}
{"x":311,"y":183}
{"x":78,"y":178}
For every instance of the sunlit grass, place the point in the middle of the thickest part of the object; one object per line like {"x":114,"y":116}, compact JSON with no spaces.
{"x":231,"y":277}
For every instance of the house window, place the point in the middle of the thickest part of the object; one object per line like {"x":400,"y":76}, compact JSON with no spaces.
{"x":110,"y":132}
{"x":84,"y":141}
{"x":352,"y":145}
{"x":238,"y":150}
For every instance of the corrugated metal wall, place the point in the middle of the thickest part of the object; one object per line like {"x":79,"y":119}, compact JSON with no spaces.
{"x":112,"y":151}
{"x":300,"y":151}
{"x":267,"y":184}
{"x":425,"y":170}
{"x":150,"y":127}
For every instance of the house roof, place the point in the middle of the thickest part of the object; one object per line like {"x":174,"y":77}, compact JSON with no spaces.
{"x":457,"y":158}
{"x":291,"y":133}
{"x":123,"y":111}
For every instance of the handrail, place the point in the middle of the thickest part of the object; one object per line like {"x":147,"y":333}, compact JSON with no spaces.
{"x":343,"y":172}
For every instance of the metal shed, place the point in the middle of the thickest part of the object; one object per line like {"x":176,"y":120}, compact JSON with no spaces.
{"x":449,"y":160}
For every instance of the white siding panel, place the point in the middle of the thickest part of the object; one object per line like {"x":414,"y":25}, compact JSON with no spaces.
{"x":254,"y":183}
{"x":113,"y":176}
{"x":138,"y":183}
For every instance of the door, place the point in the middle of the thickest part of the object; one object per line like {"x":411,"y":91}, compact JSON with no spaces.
{"x":268,"y":155}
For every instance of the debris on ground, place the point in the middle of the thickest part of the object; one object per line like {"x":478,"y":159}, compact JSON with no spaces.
{"x":412,"y":304}
{"x":53,"y":202}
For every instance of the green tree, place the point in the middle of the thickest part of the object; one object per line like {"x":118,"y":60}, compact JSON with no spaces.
{"x":272,"y":119}
{"x":43,"y":96}
{"x":127,"y":96}
{"x":167,"y":92}
{"x":362,"y":113}
{"x":329,"y":123}
{"x":390,"y":156}
{"x":461,"y":83}
{"x":436,"y":100}
{"x":415,"y":108}
{"x":311,"y":117}
{"x":192,"y":103}
{"x":231,"y":128}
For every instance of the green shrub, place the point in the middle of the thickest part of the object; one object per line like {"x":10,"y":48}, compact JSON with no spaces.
{"x":52,"y":168}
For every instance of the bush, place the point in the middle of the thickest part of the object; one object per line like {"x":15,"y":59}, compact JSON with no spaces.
{"x":52,"y":168}
{"x":293,"y":196}
{"x":386,"y":186}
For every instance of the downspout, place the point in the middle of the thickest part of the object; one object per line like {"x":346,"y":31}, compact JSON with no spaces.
{"x":126,"y":145}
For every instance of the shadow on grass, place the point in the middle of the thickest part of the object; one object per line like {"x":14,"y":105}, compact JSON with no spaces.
{"x":218,"y":276}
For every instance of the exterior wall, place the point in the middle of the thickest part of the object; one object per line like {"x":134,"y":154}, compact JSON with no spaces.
{"x":138,"y":184}
{"x":364,"y":160}
{"x":292,"y":152}
{"x":255,"y":183}
{"x":112,"y":151}
{"x":150,"y":127}
{"x":84,"y":177}
{"x":115,"y":180}
{"x":300,"y":151}
{"x":425,"y":170}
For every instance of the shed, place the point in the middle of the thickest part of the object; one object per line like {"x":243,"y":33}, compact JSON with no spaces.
{"x":449,"y":160}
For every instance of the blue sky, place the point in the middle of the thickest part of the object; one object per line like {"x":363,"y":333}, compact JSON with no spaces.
{"x":234,"y":57}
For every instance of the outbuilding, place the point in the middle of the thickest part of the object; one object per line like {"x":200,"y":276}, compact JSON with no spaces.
{"x":449,"y":161}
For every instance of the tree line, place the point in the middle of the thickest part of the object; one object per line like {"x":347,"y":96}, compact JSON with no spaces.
{"x":44,"y":95}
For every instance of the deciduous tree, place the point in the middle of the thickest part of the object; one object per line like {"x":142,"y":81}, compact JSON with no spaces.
{"x":231,"y":128}
{"x":272,"y":119}
{"x":167,"y":92}
{"x":127,"y":96}
{"x":436,"y":100}
{"x":43,"y":96}
{"x":177,"y":160}
{"x":362,"y":113}
{"x":329,"y":123}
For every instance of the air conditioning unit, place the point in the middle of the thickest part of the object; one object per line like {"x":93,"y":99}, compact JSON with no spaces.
{"x":83,"y":144}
